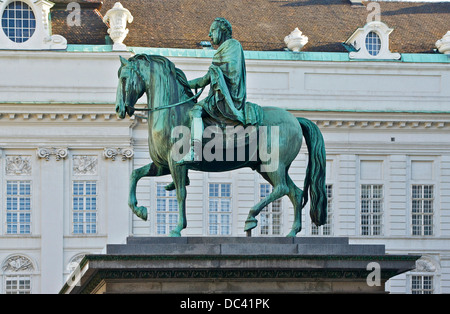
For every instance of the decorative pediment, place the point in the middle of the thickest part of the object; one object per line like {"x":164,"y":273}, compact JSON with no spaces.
{"x":18,"y":263}
{"x":371,"y":42}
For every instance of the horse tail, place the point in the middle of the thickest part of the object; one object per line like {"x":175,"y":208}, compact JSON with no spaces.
{"x":315,"y":172}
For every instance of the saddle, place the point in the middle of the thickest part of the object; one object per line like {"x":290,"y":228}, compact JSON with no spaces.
{"x":236,"y":135}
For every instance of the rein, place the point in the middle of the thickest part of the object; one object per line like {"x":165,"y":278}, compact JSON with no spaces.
{"x":195,"y":97}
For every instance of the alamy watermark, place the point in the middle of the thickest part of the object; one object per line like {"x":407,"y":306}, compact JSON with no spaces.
{"x":234,"y":143}
{"x":375,"y":14}
{"x":374,"y":277}
{"x":74,"y":17}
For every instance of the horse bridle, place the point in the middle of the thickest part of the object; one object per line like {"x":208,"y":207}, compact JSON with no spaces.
{"x":195,"y":97}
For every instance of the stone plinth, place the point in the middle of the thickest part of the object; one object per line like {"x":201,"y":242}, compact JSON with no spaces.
{"x":237,"y":265}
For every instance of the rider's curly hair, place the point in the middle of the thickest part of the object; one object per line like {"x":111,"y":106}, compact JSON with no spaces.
{"x":225,"y":26}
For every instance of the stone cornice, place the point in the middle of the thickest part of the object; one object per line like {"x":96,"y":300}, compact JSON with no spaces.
{"x":381,"y":124}
{"x":60,"y":116}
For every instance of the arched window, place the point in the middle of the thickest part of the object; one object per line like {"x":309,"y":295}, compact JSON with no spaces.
{"x":17,"y":273}
{"x":373,"y":43}
{"x":18,"y":22}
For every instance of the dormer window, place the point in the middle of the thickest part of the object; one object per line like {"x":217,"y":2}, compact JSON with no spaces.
{"x":26,"y":25}
{"x":18,"y":22}
{"x":371,"y":42}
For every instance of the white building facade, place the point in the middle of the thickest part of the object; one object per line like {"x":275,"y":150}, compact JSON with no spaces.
{"x":65,"y":158}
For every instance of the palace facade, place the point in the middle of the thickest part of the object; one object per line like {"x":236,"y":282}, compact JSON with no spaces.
{"x":374,"y":76}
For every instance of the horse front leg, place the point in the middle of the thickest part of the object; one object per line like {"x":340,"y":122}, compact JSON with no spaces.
{"x":179,"y":175}
{"x":149,"y":170}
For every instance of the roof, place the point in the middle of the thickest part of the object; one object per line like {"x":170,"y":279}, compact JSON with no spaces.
{"x":261,"y":25}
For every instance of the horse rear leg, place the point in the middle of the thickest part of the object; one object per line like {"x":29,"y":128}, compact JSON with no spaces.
{"x":280,"y":188}
{"x":295,"y":195}
{"x":150,"y":170}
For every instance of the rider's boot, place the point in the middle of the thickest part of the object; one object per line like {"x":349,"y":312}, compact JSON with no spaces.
{"x":194,"y":156}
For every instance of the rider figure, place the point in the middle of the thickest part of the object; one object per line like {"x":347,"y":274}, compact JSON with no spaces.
{"x":227,"y":79}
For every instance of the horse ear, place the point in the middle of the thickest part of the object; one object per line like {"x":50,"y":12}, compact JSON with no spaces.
{"x":123,"y":61}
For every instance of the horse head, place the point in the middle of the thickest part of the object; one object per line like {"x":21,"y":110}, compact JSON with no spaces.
{"x":130,"y":88}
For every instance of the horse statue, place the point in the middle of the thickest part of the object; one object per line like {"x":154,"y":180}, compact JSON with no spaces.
{"x":169,"y":100}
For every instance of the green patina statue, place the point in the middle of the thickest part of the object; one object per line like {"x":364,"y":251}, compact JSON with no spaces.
{"x":228,"y":93}
{"x":222,"y":132}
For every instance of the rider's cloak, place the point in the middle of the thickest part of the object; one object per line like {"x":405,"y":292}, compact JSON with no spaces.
{"x":228,"y":91}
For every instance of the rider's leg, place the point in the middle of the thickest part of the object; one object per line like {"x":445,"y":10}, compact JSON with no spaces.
{"x":195,"y":153}
{"x":196,"y":132}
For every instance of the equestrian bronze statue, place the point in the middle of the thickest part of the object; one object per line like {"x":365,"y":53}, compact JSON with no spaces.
{"x":222,"y":132}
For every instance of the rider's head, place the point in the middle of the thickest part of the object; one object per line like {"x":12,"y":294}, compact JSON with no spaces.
{"x":220,"y":31}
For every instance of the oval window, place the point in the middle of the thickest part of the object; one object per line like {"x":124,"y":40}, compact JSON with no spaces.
{"x":373,"y":43}
{"x":18,"y":21}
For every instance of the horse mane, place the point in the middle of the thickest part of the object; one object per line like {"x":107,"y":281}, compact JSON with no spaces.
{"x":169,"y":66}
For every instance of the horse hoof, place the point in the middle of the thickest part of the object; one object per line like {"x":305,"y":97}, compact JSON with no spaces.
{"x":250,"y":224}
{"x":292,"y":234}
{"x":141,"y":212}
{"x":174,"y":234}
{"x":170,"y":187}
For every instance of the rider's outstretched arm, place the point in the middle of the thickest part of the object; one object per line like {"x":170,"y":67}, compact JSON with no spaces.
{"x":200,"y":82}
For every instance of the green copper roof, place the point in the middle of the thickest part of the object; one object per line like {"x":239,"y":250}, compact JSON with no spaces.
{"x":265,"y":55}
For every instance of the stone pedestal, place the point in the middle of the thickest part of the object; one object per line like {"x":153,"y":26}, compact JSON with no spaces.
{"x":192,"y":265}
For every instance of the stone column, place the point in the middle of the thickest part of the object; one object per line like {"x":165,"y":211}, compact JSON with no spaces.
{"x":51,"y":189}
{"x":117,"y":167}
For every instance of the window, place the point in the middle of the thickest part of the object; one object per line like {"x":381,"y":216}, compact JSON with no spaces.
{"x":371,"y":209}
{"x":270,"y":216}
{"x":18,"y":284}
{"x":422,"y":284}
{"x":373,"y":43}
{"x":325,"y":230}
{"x":84,"y":210}
{"x":18,"y":207}
{"x":166,"y":209}
{"x":422,"y":210}
{"x":219,"y":209}
{"x":18,"y":22}
{"x":17,"y":274}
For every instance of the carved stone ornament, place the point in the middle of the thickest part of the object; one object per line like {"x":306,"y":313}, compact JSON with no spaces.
{"x":112,"y":153}
{"x":60,"y":153}
{"x":443,"y":44}
{"x":75,"y":262}
{"x":18,"y":165}
{"x":117,"y":18}
{"x":425,"y":265}
{"x":295,"y":40}
{"x":85,"y":165}
{"x":18,"y":264}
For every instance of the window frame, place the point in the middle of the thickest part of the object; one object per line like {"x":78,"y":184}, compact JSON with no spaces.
{"x":31,"y":30}
{"x":371,"y":212}
{"x":422,"y":289}
{"x":18,"y":290}
{"x":84,"y":211}
{"x":26,"y":172}
{"x":229,"y":213}
{"x":19,"y":210}
{"x":369,"y":45}
{"x":422,"y":214}
{"x":168,"y":195}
